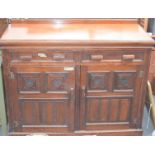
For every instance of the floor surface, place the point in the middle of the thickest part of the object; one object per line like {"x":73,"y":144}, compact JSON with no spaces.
{"x":147,"y":125}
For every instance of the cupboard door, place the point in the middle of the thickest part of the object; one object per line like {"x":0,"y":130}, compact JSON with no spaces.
{"x":109,"y":96}
{"x":42,"y":98}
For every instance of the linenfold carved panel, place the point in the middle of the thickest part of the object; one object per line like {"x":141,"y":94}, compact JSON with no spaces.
{"x":108,"y":110}
{"x":44,"y":112}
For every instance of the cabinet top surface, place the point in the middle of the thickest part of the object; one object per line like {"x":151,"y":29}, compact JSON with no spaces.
{"x":59,"y":30}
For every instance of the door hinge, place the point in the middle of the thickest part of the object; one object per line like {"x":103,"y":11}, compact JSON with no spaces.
{"x":16,"y":124}
{"x":12,"y":75}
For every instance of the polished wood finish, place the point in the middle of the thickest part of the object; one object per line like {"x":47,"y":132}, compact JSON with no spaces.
{"x":151,"y":77}
{"x":75,"y":77}
{"x":130,"y":132}
{"x":3,"y":25}
{"x":59,"y":31}
{"x":144,"y":23}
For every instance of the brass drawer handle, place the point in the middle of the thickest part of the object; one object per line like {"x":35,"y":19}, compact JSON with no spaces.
{"x":26,"y":57}
{"x":58,"y":57}
{"x":42,"y":55}
{"x":128,"y":57}
{"x":96,"y":57}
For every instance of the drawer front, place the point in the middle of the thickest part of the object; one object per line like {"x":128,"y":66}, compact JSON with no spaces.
{"x":43,"y":56}
{"x":110,"y":56}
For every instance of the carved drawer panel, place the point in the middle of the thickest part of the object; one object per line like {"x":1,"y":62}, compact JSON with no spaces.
{"x":113,"y":56}
{"x":43,"y":56}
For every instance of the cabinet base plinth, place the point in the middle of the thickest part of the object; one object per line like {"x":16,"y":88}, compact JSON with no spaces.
{"x":132,"y":132}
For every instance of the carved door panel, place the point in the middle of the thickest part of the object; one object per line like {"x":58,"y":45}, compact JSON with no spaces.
{"x":42,"y":98}
{"x":109,"y":96}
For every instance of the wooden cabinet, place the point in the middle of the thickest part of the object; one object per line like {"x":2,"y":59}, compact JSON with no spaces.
{"x":75,"y":87}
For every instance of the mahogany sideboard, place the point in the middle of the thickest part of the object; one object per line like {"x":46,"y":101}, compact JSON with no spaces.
{"x":75,"y":77}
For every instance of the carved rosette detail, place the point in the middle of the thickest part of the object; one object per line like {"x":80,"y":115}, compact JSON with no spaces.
{"x":30,"y":83}
{"x":98,"y":81}
{"x":57,"y":83}
{"x":124,"y":80}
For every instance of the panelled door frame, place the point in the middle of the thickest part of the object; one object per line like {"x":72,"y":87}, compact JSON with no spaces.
{"x":111,"y":69}
{"x":16,"y":124}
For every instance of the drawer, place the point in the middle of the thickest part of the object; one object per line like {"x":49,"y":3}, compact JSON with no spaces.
{"x":113,"y":57}
{"x":43,"y":56}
